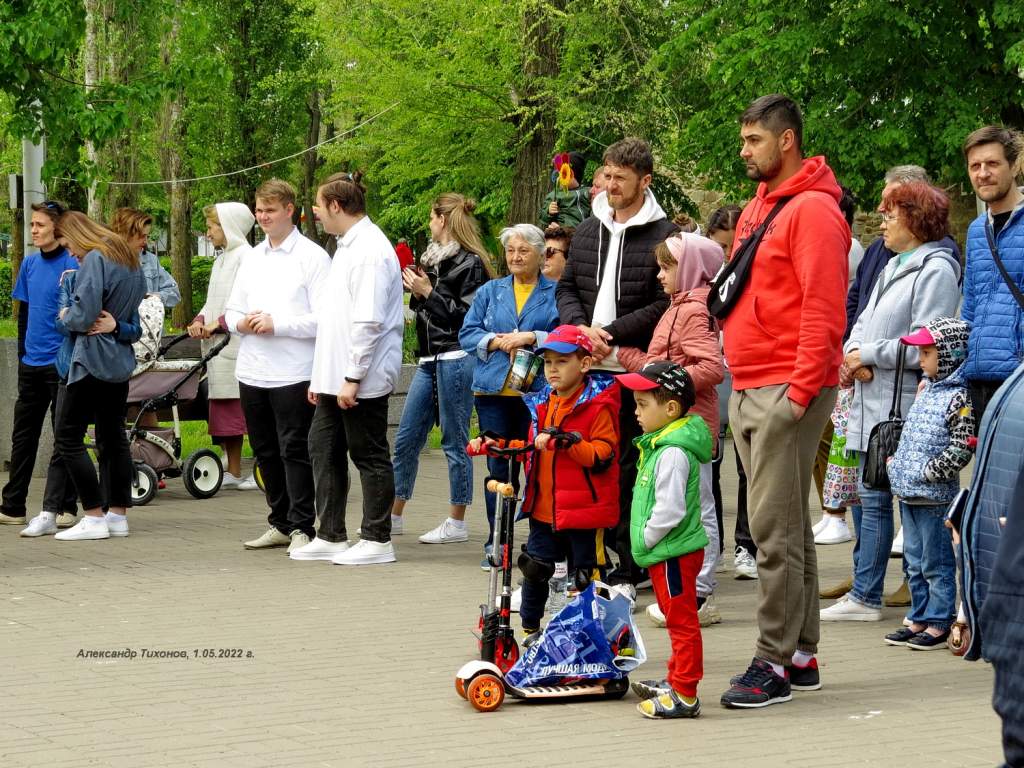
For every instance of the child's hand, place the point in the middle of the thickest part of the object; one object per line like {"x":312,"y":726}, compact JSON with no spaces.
{"x":542,"y":441}
{"x":475,"y":445}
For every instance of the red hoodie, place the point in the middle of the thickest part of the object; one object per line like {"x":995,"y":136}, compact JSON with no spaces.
{"x":787,"y":326}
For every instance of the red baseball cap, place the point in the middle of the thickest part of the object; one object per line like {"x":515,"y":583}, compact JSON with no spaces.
{"x":565,"y":339}
{"x":922,"y":337}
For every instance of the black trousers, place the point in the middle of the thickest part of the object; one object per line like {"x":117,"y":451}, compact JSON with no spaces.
{"x":742,"y":535}
{"x":277,"y":420}
{"x":629,"y":428}
{"x":103,"y":403}
{"x":362,"y":434}
{"x":981,"y":393}
{"x":37,"y":394}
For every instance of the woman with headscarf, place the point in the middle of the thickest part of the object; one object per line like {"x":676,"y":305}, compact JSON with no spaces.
{"x":687,"y":335}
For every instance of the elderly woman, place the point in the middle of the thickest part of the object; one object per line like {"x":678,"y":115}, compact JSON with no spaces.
{"x":919,"y":284}
{"x":507,"y":314}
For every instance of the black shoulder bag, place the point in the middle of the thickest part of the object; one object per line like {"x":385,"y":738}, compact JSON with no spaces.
{"x":1002,"y":269}
{"x":732,"y":277}
{"x":885,"y":435}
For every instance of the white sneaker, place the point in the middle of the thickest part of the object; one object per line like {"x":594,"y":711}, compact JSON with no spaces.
{"x":116,"y":527}
{"x":249,"y":484}
{"x":743,"y":564}
{"x":11,"y":519}
{"x":655,"y":615}
{"x":448,"y":532}
{"x":397,"y":525}
{"x":835,"y":531}
{"x":88,"y":528}
{"x":897,"y":544}
{"x":318,"y":549}
{"x":230,"y":481}
{"x":66,"y":520}
{"x":816,"y":528}
{"x":43,"y":524}
{"x":708,"y":613}
{"x":366,"y":552}
{"x":272,"y":538}
{"x":848,"y":609}
{"x":298,"y":541}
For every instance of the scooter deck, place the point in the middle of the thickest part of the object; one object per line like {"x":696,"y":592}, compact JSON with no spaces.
{"x":600,"y":689}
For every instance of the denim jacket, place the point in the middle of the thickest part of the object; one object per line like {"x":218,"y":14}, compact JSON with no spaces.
{"x":128,"y":331}
{"x":159,"y":280}
{"x":493,"y":311}
{"x":101,"y":284}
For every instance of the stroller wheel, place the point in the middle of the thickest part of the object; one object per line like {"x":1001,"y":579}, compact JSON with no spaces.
{"x":202,"y":473}
{"x":258,"y":477}
{"x":144,"y":485}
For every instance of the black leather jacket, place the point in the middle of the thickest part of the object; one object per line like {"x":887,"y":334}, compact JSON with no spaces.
{"x":439,"y":317}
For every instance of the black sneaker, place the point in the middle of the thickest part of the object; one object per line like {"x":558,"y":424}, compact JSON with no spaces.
{"x":804,"y":678}
{"x":648,"y":689}
{"x":922,"y":641}
{"x":758,"y":687}
{"x":900,"y":636}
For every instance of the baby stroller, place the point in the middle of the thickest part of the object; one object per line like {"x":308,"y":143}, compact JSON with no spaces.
{"x":156,"y":451}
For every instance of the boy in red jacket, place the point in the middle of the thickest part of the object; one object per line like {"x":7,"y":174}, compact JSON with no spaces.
{"x":572,"y":493}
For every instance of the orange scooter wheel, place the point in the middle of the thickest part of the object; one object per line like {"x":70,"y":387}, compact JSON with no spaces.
{"x":460,"y":687}
{"x":486,"y":693}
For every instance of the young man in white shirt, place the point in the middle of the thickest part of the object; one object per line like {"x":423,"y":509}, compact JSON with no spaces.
{"x":277,"y":294}
{"x":357,"y":362}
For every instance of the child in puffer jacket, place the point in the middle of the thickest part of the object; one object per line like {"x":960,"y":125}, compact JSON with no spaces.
{"x":688,"y":336}
{"x":925,"y":474}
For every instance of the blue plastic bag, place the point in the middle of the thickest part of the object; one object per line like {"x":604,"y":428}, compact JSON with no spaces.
{"x":576,"y":645}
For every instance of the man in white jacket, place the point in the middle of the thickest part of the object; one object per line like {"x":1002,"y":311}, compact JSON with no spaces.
{"x":278,"y":292}
{"x":357,"y":362}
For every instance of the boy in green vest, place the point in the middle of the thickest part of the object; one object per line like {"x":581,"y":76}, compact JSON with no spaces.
{"x":665,"y":531}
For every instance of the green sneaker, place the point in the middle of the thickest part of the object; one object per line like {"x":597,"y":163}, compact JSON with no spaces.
{"x":668,"y":706}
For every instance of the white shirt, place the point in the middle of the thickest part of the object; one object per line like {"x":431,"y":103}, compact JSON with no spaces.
{"x":359,"y":334}
{"x":288,"y":282}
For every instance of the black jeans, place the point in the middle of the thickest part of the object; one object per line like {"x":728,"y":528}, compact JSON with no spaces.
{"x":629,"y":428}
{"x":742,"y":533}
{"x":37,"y":393}
{"x":981,"y":393}
{"x":277,"y":420}
{"x":103,"y":403}
{"x":362,"y":433}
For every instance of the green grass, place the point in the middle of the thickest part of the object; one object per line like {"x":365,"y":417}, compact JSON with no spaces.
{"x":194,"y":436}
{"x":8,"y":329}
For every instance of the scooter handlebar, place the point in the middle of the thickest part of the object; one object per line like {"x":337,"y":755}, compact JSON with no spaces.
{"x":502,"y":489}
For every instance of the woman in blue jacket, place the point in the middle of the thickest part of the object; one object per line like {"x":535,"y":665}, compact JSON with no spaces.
{"x":109,"y":281}
{"x":507,"y":314}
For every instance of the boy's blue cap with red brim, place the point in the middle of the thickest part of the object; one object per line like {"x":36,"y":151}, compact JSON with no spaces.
{"x":566,"y":339}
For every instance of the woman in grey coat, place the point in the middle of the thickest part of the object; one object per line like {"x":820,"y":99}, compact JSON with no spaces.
{"x":919,"y":284}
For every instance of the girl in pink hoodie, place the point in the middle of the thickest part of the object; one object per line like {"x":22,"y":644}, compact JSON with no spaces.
{"x":688,"y":335}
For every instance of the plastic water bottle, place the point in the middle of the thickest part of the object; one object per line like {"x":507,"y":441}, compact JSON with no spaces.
{"x":556,"y":588}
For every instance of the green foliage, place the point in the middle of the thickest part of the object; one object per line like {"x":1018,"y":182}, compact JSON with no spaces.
{"x":5,"y":288}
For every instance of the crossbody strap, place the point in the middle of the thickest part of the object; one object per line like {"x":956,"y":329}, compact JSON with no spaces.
{"x":1002,"y":269}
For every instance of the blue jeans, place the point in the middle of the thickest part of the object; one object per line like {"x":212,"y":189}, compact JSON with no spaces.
{"x":874,"y":523}
{"x":930,"y":564}
{"x":444,"y":388}
{"x":510,"y":418}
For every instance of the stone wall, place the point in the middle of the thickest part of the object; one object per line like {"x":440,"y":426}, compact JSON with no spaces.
{"x":9,"y":394}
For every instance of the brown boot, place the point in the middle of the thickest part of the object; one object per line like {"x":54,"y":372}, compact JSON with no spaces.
{"x":900,"y":598}
{"x":840,"y":589}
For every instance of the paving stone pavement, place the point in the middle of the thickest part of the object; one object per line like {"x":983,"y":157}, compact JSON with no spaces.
{"x":311,"y":664}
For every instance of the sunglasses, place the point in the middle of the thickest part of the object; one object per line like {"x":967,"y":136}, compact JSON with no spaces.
{"x":50,"y":205}
{"x":553,"y":251}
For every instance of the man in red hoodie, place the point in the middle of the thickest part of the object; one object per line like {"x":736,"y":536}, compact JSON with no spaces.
{"x":783,"y":344}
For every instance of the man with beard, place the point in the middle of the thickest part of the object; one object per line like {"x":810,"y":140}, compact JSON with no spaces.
{"x":610,"y":290}
{"x":994,"y":309}
{"x":783,"y":341}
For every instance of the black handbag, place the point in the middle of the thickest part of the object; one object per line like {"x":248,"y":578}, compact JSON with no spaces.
{"x":885,"y":436}
{"x":732,"y":277}
{"x":1002,"y":268}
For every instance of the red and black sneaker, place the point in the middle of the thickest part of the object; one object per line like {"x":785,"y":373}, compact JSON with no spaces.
{"x":758,"y":687}
{"x":804,"y":678}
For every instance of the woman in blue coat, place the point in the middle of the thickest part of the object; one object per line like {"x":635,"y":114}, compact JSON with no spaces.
{"x":507,"y":314}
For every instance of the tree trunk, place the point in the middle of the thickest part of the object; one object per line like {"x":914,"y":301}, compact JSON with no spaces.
{"x":93,"y":23}
{"x":535,"y":118}
{"x":310,"y":165}
{"x":172,"y":161}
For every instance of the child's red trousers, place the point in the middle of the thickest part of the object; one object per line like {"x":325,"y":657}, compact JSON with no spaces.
{"x":675,"y":585}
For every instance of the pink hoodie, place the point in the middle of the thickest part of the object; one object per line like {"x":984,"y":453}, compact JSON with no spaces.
{"x":686,"y":334}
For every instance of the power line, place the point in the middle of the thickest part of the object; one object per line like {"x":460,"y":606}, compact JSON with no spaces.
{"x":161,"y":182}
